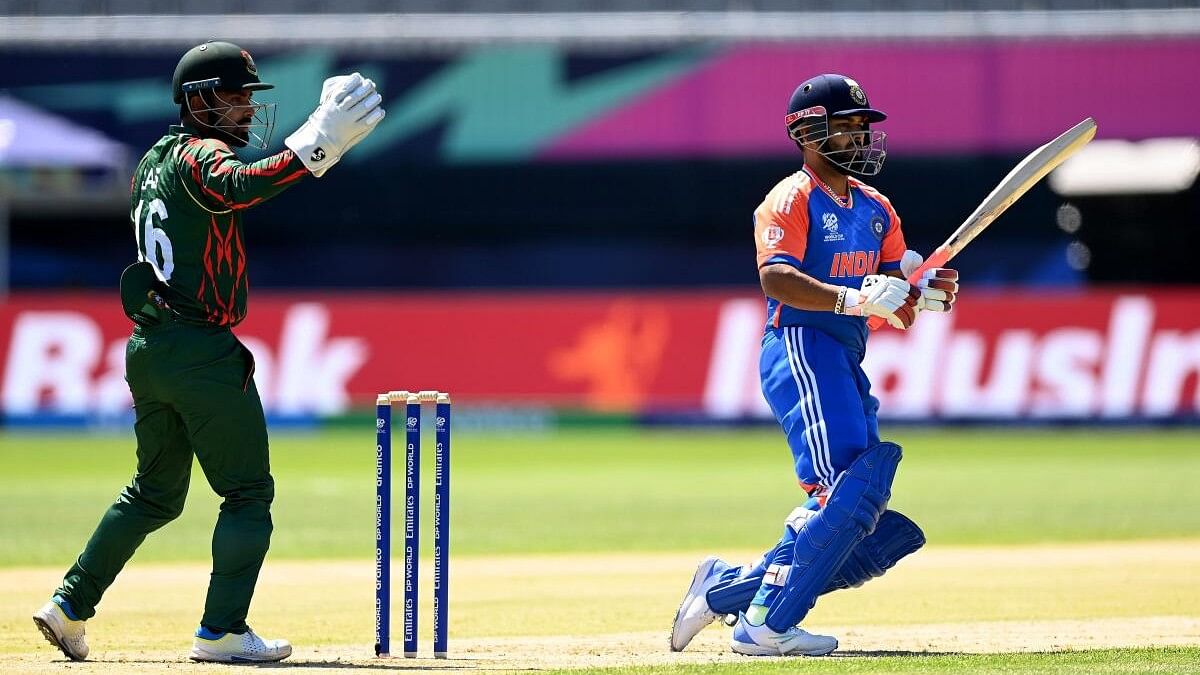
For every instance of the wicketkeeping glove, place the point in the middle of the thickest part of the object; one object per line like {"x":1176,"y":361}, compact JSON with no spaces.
{"x":938,"y":286}
{"x":349,"y":110}
{"x":883,"y":296}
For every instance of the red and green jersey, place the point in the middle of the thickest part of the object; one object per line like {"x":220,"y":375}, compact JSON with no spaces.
{"x":186,"y":204}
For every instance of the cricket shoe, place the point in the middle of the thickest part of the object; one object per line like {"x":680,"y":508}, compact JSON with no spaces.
{"x":233,"y":648}
{"x":62,"y":631}
{"x":694,"y":613}
{"x":762,"y":641}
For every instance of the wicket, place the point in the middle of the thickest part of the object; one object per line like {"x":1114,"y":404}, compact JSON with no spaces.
{"x":412,"y":518}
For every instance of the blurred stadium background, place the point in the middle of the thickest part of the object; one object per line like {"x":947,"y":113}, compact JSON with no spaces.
{"x":553,"y":222}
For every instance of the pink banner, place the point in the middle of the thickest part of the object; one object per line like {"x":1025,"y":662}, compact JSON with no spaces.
{"x":951,"y":96}
{"x":1015,"y":355}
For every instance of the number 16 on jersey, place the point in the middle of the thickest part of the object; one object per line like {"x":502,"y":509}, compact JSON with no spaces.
{"x":152,"y":242}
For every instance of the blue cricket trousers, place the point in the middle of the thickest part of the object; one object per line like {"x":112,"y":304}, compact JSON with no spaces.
{"x":821,"y":397}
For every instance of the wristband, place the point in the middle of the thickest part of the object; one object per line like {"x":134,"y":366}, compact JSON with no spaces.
{"x":849,"y":302}
{"x":840,"y":305}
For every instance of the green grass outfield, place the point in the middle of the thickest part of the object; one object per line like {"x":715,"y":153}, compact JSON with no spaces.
{"x":1165,"y":660}
{"x":583,"y":540}
{"x":613,"y":490}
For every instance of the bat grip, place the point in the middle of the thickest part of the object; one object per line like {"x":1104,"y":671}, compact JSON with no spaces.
{"x":936,"y":259}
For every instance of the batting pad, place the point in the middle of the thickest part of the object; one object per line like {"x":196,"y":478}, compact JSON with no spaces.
{"x":895,"y":537}
{"x":858,"y":498}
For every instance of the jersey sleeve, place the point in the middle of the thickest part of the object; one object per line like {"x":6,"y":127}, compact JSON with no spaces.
{"x":893,"y":246}
{"x":226,"y":183}
{"x":781,"y":228}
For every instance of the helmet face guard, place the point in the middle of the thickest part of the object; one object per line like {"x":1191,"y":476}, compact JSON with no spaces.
{"x":863,"y":155}
{"x":256,"y":133}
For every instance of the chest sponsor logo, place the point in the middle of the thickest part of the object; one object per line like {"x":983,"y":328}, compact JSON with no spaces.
{"x":772,"y":236}
{"x":829,"y":223}
{"x":854,"y":264}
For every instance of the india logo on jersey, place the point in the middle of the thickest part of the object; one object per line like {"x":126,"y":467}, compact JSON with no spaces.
{"x":877,"y":227}
{"x":830,"y":224}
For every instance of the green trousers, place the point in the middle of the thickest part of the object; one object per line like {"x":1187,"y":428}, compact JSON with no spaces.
{"x":192,"y":394}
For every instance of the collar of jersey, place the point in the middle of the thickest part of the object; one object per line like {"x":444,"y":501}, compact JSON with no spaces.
{"x":848,"y":203}
{"x":181,"y":129}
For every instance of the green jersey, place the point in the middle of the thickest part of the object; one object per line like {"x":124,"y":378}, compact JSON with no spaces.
{"x":187,"y":198}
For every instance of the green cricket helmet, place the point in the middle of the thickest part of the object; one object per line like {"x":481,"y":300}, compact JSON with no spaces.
{"x":212,"y":67}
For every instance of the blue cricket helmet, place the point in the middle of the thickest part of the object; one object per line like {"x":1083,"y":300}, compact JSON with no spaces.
{"x":824,"y":97}
{"x":836,"y":96}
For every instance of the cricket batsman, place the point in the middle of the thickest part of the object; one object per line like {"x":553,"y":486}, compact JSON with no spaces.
{"x":830,"y":255}
{"x":191,"y":379}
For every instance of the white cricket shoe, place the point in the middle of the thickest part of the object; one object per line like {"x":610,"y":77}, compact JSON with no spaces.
{"x":245,"y":648}
{"x":762,"y":641}
{"x":694,"y":613}
{"x":62,"y":631}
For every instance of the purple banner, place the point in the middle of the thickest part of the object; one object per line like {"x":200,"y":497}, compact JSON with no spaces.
{"x":947,"y":97}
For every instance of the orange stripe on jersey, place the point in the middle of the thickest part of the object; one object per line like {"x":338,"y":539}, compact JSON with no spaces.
{"x":781,"y":220}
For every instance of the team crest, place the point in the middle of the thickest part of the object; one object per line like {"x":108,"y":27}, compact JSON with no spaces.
{"x":250,"y":67}
{"x":829,"y":223}
{"x":877,"y":227}
{"x":856,"y":92}
{"x":772,"y":236}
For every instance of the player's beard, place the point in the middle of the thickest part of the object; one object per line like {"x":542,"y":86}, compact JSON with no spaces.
{"x":220,"y":125}
{"x":850,"y":153}
{"x":233,"y":133}
{"x":858,"y":159}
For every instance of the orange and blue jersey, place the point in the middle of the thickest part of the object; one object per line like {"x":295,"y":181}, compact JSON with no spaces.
{"x":803,"y":224}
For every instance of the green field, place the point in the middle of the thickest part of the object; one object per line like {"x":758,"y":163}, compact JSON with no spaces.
{"x":630,"y":490}
{"x":1115,"y":514}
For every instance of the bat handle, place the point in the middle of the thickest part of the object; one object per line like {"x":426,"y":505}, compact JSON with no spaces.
{"x":936,"y":259}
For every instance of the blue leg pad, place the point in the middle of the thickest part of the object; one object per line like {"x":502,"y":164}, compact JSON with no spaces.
{"x":857,"y":499}
{"x":733,"y":594}
{"x":895,"y":537}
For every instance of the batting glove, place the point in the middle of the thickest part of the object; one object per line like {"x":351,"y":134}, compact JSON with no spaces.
{"x":883,"y":296}
{"x":938,"y":286}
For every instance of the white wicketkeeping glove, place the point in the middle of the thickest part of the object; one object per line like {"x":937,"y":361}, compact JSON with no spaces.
{"x":349,"y":110}
{"x":340,"y":85}
{"x":938,"y":286}
{"x":883,"y":296}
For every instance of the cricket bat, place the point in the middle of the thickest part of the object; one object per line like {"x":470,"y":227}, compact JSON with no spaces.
{"x":1018,"y":181}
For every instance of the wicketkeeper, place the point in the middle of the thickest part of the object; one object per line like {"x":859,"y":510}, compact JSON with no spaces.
{"x":191,"y":379}
{"x":830,"y":254}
